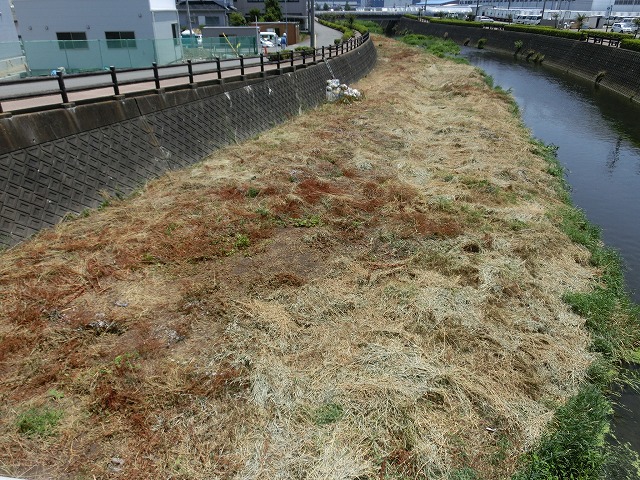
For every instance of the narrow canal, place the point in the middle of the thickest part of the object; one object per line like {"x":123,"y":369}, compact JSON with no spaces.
{"x":598,"y":135}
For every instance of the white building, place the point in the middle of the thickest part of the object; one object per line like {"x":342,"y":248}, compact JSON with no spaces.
{"x":11,"y":58}
{"x":95,"y":34}
{"x":564,"y":8}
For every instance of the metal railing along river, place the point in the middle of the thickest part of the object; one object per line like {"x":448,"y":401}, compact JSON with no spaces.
{"x":46,"y":92}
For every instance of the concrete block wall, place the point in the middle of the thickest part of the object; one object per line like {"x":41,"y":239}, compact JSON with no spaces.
{"x":582,"y":59}
{"x":57,"y":162}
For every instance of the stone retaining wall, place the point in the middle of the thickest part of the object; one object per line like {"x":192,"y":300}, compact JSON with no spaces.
{"x":585,"y":60}
{"x":57,"y":162}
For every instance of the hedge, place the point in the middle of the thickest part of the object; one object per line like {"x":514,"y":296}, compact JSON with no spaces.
{"x":625,"y":41}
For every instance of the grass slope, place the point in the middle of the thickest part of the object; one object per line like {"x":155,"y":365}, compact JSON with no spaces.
{"x":371,"y":290}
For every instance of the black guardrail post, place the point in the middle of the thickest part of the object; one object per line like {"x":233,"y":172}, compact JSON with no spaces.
{"x":303,"y":58}
{"x":292,"y":55}
{"x":262,"y":62}
{"x":242,"y":65}
{"x":114,"y":80}
{"x":190,"y":67}
{"x":278,"y":64}
{"x":63,"y":89}
{"x":218,"y":68}
{"x":156,"y":77}
{"x":314,"y":55}
{"x":330,"y":48}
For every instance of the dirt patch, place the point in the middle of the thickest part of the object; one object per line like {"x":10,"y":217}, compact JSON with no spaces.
{"x":381,"y":298}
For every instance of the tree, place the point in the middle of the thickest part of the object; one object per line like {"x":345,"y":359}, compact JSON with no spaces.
{"x":254,"y":14}
{"x":325,"y":7}
{"x":351,"y":18}
{"x":347,"y":7}
{"x":272,"y":11}
{"x":636,"y":22}
{"x":236,"y":19}
{"x":580,"y":18}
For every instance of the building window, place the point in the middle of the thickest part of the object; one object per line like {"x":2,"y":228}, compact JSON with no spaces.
{"x":120,"y":39}
{"x":213,"y":21}
{"x":72,"y":40}
{"x":175,"y":31}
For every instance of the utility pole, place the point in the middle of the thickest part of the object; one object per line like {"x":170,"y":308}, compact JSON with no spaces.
{"x":190,"y":26}
{"x":312,"y":23}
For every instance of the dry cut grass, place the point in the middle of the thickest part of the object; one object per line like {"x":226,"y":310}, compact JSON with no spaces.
{"x":370,"y":291}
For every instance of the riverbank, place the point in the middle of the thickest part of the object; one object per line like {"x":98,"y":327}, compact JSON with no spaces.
{"x":609,"y":68}
{"x":370,"y":290}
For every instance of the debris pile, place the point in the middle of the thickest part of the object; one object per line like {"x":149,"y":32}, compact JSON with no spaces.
{"x":337,"y":91}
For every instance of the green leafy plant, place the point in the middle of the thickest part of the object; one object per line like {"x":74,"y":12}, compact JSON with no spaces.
{"x":481,"y":43}
{"x":310,"y":221}
{"x":55,"y":394}
{"x":126,"y":360}
{"x":39,"y":421}
{"x":242,"y":241}
{"x":518,"y":44}
{"x":328,"y":413}
{"x":434,"y":45}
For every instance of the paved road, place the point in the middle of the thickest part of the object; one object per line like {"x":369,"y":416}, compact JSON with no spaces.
{"x":46,"y":92}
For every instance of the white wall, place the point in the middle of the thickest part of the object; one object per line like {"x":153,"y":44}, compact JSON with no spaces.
{"x":167,"y":50}
{"x":11,"y":59}
{"x":40,"y":20}
{"x":7,"y":28}
{"x":162,"y":4}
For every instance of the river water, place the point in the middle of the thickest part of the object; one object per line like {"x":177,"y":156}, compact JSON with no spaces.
{"x":598,"y":135}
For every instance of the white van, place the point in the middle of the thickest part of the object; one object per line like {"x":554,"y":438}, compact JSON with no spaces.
{"x":271,"y":37}
{"x":528,"y":19}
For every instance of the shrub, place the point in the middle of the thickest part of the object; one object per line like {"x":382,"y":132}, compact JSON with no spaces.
{"x":347,"y":35}
{"x":518,"y":44}
{"x":481,"y":43}
{"x":630,"y":44}
{"x":282,"y":55}
{"x":307,"y":50}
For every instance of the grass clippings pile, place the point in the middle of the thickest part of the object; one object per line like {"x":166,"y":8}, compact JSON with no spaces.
{"x":372,"y":291}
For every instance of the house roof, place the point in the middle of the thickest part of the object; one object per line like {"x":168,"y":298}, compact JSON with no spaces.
{"x":204,"y":5}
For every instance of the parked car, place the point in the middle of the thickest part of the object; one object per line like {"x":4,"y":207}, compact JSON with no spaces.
{"x":482,"y":18}
{"x":266,"y":43}
{"x":270,"y":37}
{"x":528,"y":19}
{"x":623,"y":27}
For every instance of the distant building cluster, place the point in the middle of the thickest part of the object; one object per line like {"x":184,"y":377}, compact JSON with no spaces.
{"x":40,"y":36}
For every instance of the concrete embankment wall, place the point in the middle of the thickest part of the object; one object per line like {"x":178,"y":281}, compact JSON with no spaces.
{"x":585,"y":60}
{"x":59,"y":161}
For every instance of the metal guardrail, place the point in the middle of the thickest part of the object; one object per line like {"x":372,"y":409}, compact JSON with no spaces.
{"x":113,"y":81}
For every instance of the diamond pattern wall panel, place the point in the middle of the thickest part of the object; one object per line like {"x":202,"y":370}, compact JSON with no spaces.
{"x":39,"y":184}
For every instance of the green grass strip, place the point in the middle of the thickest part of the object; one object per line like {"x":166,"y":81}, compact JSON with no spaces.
{"x":576,"y":445}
